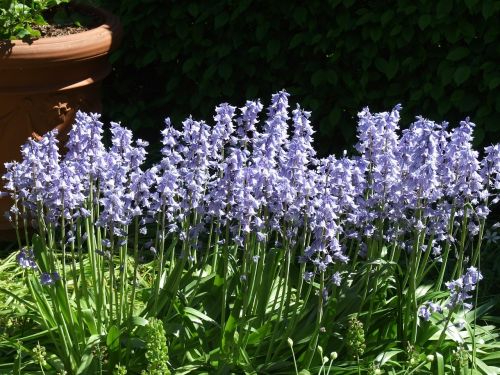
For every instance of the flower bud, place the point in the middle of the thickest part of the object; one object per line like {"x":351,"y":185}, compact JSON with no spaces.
{"x":290,"y":342}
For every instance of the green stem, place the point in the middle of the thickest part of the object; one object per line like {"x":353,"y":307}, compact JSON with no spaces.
{"x":319,"y":317}
{"x":443,"y":332}
{"x":282,"y":294}
{"x":111,"y":277}
{"x":225,"y":265}
{"x":463,"y":236}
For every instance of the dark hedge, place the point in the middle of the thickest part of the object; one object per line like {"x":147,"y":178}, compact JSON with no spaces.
{"x":437,"y":58}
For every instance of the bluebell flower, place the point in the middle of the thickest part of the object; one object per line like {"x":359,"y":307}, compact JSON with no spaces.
{"x":247,"y":130}
{"x":460,"y":288}
{"x":26,"y":259}
{"x":337,"y":278}
{"x":308,"y":276}
{"x":222,"y":131}
{"x":425,"y":311}
{"x":49,"y":278}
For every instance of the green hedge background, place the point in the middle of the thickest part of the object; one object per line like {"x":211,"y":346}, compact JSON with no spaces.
{"x":437,"y":58}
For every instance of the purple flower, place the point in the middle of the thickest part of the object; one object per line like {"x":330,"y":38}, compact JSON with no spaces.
{"x":460,"y":288}
{"x":222,"y":131}
{"x":248,"y":120}
{"x":194,"y":171}
{"x":169,"y":184}
{"x":49,"y":278}
{"x":308,"y":276}
{"x":427,"y":309}
{"x":337,"y":278}
{"x":298,"y":186}
{"x":85,"y":149}
{"x":26,"y":259}
{"x":465,"y":181}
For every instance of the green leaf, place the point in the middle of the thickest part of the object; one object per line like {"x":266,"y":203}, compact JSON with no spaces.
{"x":193,"y":9}
{"x":487,"y":370}
{"x":300,"y":15}
{"x":468,"y":30}
{"x":189,"y":65}
{"x":113,"y":339}
{"x":89,"y":319}
{"x":389,"y":68}
{"x":218,"y":281}
{"x":491,"y":34}
{"x":457,"y":96}
{"x":296,"y":40}
{"x":61,"y":17}
{"x":382,"y":358}
{"x":424,"y":21}
{"x":149,"y":57}
{"x":199,"y":315}
{"x":484,"y":110}
{"x":332,"y":77}
{"x":272,"y":49}
{"x":40,"y":253}
{"x":139,"y":321}
{"x":439,"y":364}
{"x":444,"y":7}
{"x":88,"y":355}
{"x":19,"y":299}
{"x":181,"y":30}
{"x":386,"y":17}
{"x":220,"y":20}
{"x":261,"y":30}
{"x":317,"y":78}
{"x":488,"y":9}
{"x":458,"y":54}
{"x":230,"y":328}
{"x":396,"y":30}
{"x":376,"y":34}
{"x":39,"y":20}
{"x":462,"y":74}
{"x":471,"y":3}
{"x":225,"y":71}
{"x":494,"y":82}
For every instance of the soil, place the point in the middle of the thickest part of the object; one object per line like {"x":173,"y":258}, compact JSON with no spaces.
{"x":91,"y":20}
{"x":48,"y":31}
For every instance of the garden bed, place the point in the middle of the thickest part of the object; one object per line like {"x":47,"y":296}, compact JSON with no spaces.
{"x":242,"y":252}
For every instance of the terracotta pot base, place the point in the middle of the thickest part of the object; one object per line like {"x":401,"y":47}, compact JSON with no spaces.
{"x":43,"y":85}
{"x":34,"y":115}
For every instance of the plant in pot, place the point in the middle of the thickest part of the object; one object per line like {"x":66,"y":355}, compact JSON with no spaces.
{"x":53,"y":56}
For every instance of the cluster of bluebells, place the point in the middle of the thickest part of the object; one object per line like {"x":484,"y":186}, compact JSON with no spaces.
{"x":426,"y":310}
{"x":26,"y":260}
{"x":459,"y":289}
{"x":256,"y":173}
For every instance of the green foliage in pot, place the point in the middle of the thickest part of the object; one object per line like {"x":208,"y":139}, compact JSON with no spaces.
{"x":17,"y":18}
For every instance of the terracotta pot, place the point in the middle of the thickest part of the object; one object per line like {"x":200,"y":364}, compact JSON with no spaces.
{"x":44,"y":83}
